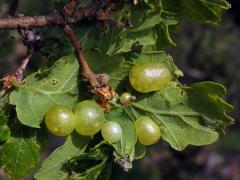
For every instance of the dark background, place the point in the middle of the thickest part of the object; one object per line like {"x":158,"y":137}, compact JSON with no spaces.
{"x":203,"y":52}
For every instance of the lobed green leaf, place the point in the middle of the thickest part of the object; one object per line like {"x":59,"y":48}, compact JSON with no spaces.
{"x":186,"y":116}
{"x":43,"y":89}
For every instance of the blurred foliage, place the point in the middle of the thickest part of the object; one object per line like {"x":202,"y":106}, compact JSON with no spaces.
{"x":202,"y":52}
{"x":210,"y":53}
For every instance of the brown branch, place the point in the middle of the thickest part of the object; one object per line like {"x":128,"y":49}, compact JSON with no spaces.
{"x":71,"y":14}
{"x":68,"y":11}
{"x":27,"y":21}
{"x":86,"y":71}
{"x":52,"y":19}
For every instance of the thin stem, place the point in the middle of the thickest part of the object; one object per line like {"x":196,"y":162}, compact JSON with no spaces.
{"x":86,"y":71}
{"x":19,"y":73}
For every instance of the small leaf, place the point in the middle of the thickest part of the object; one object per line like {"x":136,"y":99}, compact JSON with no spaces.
{"x":53,"y":166}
